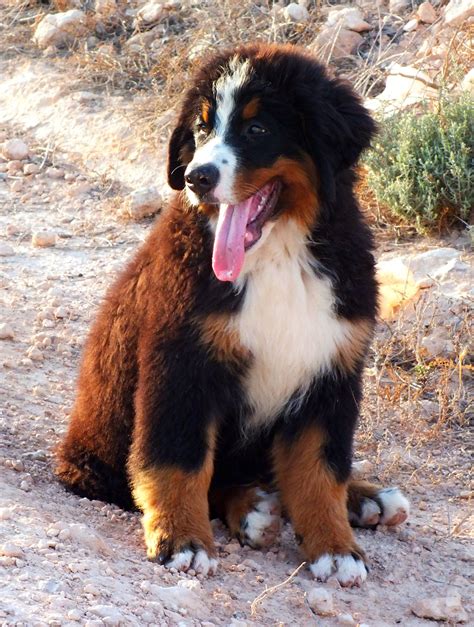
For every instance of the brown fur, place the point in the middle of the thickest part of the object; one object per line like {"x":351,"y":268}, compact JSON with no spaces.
{"x":251,"y":109}
{"x":355,"y":347}
{"x":298,"y":198}
{"x":175,"y":508}
{"x":232,"y":504}
{"x":223,"y":341}
{"x":314,"y":500}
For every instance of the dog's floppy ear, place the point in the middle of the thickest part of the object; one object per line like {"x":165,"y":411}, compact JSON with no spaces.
{"x":337,"y":128}
{"x":180,"y":153}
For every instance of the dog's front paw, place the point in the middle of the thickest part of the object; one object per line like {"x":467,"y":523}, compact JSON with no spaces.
{"x":180,"y":551}
{"x":261,"y":525}
{"x":349,"y":569}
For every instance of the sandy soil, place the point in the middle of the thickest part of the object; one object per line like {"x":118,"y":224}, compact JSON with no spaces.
{"x":69,"y":561}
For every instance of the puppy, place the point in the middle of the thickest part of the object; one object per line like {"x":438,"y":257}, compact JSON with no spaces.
{"x":222,"y":375}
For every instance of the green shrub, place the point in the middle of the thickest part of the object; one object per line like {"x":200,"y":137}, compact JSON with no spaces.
{"x":422,"y":164}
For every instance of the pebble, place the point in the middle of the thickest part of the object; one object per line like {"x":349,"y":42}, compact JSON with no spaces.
{"x":346,"y":619}
{"x":43,"y":239}
{"x":144,"y":202}
{"x":6,"y":250}
{"x":87,"y":537}
{"x":48,"y":324}
{"x":296,"y":13}
{"x":321,"y":601}
{"x":31,"y":168}
{"x":11,"y":550}
{"x":35,"y":354}
{"x":17,"y":186}
{"x":54,"y":173}
{"x":6,"y":331}
{"x":426,"y":13}
{"x":447,"y":608}
{"x":15,"y":149}
{"x":61,"y":312}
{"x":411,"y":25}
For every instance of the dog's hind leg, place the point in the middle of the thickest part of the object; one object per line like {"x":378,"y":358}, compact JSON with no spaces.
{"x":370,"y":505}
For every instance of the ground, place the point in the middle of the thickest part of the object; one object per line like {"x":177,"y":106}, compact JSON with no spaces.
{"x":69,"y":561}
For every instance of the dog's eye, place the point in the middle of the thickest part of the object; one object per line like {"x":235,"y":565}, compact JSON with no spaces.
{"x":256,"y":130}
{"x":202,"y":127}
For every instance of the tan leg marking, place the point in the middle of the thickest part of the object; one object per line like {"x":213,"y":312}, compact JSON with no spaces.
{"x":354,"y":348}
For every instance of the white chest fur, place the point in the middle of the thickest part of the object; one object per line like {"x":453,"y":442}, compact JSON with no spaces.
{"x":287,"y":322}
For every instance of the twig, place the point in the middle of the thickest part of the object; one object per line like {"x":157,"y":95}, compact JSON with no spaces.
{"x":268,"y":591}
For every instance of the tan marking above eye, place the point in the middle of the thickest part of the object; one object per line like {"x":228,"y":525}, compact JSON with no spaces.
{"x":251,"y":109}
{"x":205,"y":111}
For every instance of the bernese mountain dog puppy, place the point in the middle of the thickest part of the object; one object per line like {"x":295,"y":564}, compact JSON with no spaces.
{"x":222,"y":376}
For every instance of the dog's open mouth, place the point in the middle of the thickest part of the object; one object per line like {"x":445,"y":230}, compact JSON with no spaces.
{"x":239,"y":227}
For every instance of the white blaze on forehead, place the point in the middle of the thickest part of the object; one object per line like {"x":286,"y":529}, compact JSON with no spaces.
{"x":225,"y":88}
{"x":216,"y":151}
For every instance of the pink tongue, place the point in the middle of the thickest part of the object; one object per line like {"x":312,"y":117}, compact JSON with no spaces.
{"x":229,"y":242}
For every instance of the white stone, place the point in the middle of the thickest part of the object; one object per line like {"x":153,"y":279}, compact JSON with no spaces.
{"x":35,"y":354}
{"x":55,"y":173}
{"x":333,"y":42}
{"x":437,"y":344}
{"x":31,"y":168}
{"x":457,"y":12}
{"x":321,"y":601}
{"x":362,"y":468}
{"x":144,"y":202}
{"x":43,"y":239}
{"x":427,"y":13}
{"x":6,"y":331}
{"x":88,"y":538}
{"x":176,"y":597}
{"x":350,"y":18}
{"x":447,"y":608}
{"x":399,"y":6}
{"x":151,"y":12}
{"x":296,"y":13}
{"x":6,"y":250}
{"x":15,"y":149}
{"x":404,"y":87}
{"x":11,"y":550}
{"x":58,"y":29}
{"x":467,"y":83}
{"x":411,"y":25}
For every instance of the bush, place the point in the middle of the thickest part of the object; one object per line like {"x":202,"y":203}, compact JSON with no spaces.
{"x":422,"y":164}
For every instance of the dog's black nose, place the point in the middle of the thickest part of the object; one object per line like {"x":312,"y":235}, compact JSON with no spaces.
{"x":202,"y":179}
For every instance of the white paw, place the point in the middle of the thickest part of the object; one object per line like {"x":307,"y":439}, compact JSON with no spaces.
{"x":369,"y":515}
{"x":199,"y":561}
{"x":395,"y":506}
{"x":348,"y":570}
{"x":260,"y":526}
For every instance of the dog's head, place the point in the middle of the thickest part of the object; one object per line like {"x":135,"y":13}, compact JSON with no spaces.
{"x":262,"y":136}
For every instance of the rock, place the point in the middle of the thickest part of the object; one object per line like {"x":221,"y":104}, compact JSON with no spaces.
{"x":59,"y":29}
{"x":336,"y":43}
{"x":321,"y":601}
{"x":447,"y":608}
{"x":429,"y":408}
{"x":105,"y":8}
{"x":35,"y":354}
{"x":6,"y":250}
{"x":89,"y":538}
{"x":350,"y":18}
{"x":176,"y":597}
{"x":411,"y":25}
{"x":31,"y":168}
{"x":457,"y":12}
{"x":151,"y":12}
{"x":16,"y":186}
{"x":144,"y":202}
{"x":346,"y":619}
{"x":404,"y":87}
{"x":437,"y":344}
{"x":43,"y":239}
{"x":362,"y":468}
{"x":467,"y":83}
{"x":6,"y":331}
{"x":11,"y":550}
{"x":109,"y":613}
{"x":142,"y":40}
{"x":426,"y":13}
{"x":399,"y":6}
{"x":296,"y":13}
{"x":15,"y":149}
{"x":54,"y":173}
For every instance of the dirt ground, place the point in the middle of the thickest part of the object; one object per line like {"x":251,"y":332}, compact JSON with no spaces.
{"x":68,"y":561}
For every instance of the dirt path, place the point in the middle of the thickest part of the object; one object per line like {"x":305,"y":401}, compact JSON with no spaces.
{"x":69,"y":561}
